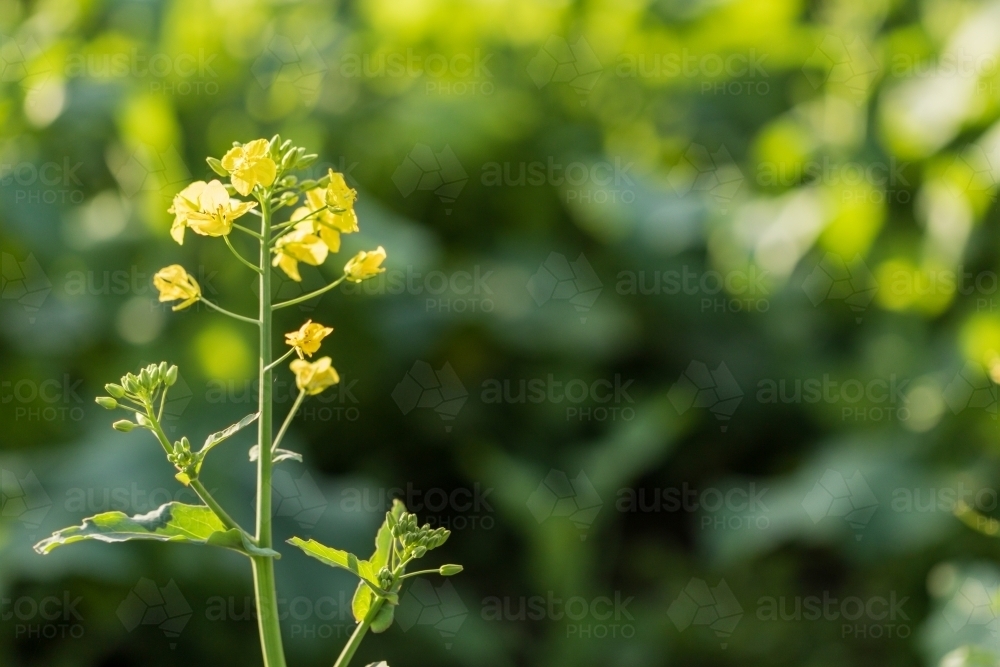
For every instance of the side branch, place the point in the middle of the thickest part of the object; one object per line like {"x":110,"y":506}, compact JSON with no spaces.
{"x":306,"y":297}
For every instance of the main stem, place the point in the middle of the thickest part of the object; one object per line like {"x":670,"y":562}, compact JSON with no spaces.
{"x":359,"y":633}
{"x":263,"y":568}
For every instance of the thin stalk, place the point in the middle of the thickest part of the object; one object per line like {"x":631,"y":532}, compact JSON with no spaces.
{"x":263,"y":568}
{"x":247,"y":230}
{"x":158,"y":430}
{"x":196,"y":485}
{"x":226,"y":312}
{"x":417,"y":574}
{"x":163,"y":402}
{"x":239,"y":256}
{"x":282,"y":358}
{"x":288,"y":420}
{"x":359,"y":633}
{"x":306,"y":297}
{"x":209,"y":499}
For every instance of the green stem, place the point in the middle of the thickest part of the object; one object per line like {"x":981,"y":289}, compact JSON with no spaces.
{"x":163,"y":402}
{"x":239,"y":256}
{"x":210,"y":500}
{"x":288,"y":420}
{"x":226,"y":312}
{"x":282,"y":358}
{"x":158,"y":430}
{"x":263,"y":568}
{"x":247,"y":231}
{"x":417,"y":574}
{"x":359,"y":633}
{"x":306,"y":297}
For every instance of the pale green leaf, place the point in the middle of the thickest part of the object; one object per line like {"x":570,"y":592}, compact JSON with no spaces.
{"x":173,"y":522}
{"x":279,"y":455}
{"x":362,"y":602}
{"x":383,"y":618}
{"x":214,"y":439}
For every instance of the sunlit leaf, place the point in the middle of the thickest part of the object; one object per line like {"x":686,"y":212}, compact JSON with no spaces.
{"x":214,"y":439}
{"x":279,"y":455}
{"x":173,"y":522}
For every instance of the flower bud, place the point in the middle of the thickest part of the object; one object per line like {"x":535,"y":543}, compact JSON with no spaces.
{"x":364,"y":265}
{"x":130,"y":383}
{"x":143,"y":420}
{"x":216,"y":166}
{"x":123,"y":425}
{"x":116,"y":390}
{"x":170,"y":377}
{"x":106,"y":402}
{"x":145,"y":378}
{"x":420,"y":552}
{"x":449,"y":570}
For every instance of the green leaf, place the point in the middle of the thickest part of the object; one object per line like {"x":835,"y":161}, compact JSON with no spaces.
{"x":173,"y":522}
{"x":332,"y":557}
{"x":383,"y":618}
{"x":214,"y":439}
{"x":279,"y":455}
{"x":383,"y":540}
{"x":217,"y":167}
{"x":362,"y":602}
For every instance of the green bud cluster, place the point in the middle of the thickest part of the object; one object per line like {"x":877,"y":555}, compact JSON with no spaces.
{"x":182,"y":456}
{"x":140,"y":389}
{"x":416,"y":540}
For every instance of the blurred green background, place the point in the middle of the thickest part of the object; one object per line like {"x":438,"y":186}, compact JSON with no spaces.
{"x":687,"y":331}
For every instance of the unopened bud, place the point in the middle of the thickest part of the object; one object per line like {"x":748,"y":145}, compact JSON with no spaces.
{"x":450,"y":570}
{"x":123,"y":425}
{"x":116,"y":390}
{"x":106,"y":402}
{"x":420,"y":552}
{"x":170,"y":377}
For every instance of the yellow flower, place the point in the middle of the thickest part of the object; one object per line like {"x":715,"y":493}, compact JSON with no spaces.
{"x":185,"y":203}
{"x":299,"y":245}
{"x":207,"y":209}
{"x":308,"y":338}
{"x":339,"y":196}
{"x":313,"y":377}
{"x":330,"y":210}
{"x":249,"y":165}
{"x":365,"y":265}
{"x":174,"y":284}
